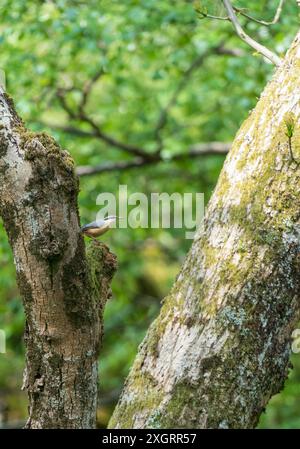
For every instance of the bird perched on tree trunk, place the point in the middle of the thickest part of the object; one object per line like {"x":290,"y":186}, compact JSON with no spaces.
{"x":98,"y":227}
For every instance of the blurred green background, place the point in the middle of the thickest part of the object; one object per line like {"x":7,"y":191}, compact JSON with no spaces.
{"x":144,"y":49}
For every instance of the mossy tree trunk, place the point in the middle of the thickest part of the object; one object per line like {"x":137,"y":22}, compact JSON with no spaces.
{"x":63,"y":290}
{"x":220,"y":347}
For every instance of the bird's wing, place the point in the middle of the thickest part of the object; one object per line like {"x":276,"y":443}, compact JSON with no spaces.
{"x":92,"y":225}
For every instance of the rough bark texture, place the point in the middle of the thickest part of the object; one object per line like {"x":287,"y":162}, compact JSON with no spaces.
{"x":220,"y":347}
{"x":63,"y":290}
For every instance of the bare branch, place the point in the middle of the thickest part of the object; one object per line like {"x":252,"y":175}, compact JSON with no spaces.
{"x":142,"y":156}
{"x":85,"y":170}
{"x":72,"y":130}
{"x":205,"y":149}
{"x":87,"y":89}
{"x":96,"y":132}
{"x":212,"y":148}
{"x":262,"y":22}
{"x":204,"y":15}
{"x":163,"y":117}
{"x":241,"y":11}
{"x":237,"y":52}
{"x":246,"y":38}
{"x":61,"y":95}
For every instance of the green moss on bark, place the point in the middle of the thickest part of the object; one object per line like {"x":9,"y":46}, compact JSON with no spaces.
{"x":145,"y":387}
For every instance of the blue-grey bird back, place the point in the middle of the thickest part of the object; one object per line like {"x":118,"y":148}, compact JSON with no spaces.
{"x":93,"y":224}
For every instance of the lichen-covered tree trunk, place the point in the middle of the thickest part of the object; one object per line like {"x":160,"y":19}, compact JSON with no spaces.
{"x":220,"y":347}
{"x":63,"y":290}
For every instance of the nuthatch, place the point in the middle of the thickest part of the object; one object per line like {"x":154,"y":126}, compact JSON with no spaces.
{"x":98,"y":227}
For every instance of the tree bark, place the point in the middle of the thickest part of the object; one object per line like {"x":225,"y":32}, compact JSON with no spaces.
{"x":220,"y":347}
{"x":63,"y":290}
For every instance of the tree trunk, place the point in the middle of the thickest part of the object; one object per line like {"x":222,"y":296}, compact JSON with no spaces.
{"x":220,"y":347}
{"x":63,"y":290}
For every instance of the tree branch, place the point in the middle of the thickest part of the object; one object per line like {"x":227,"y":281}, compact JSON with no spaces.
{"x":194,"y":152}
{"x":163,"y":117}
{"x":262,"y":22}
{"x":85,"y":170}
{"x":204,"y":149}
{"x":61,"y":95}
{"x":240,"y":11}
{"x":131,"y":149}
{"x":87,"y":88}
{"x":204,"y":15}
{"x":81,"y":115}
{"x":72,"y":130}
{"x":246,"y":38}
{"x":97,"y":132}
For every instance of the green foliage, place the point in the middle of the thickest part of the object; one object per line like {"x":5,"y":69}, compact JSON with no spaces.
{"x":283,"y":409}
{"x":144,"y":49}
